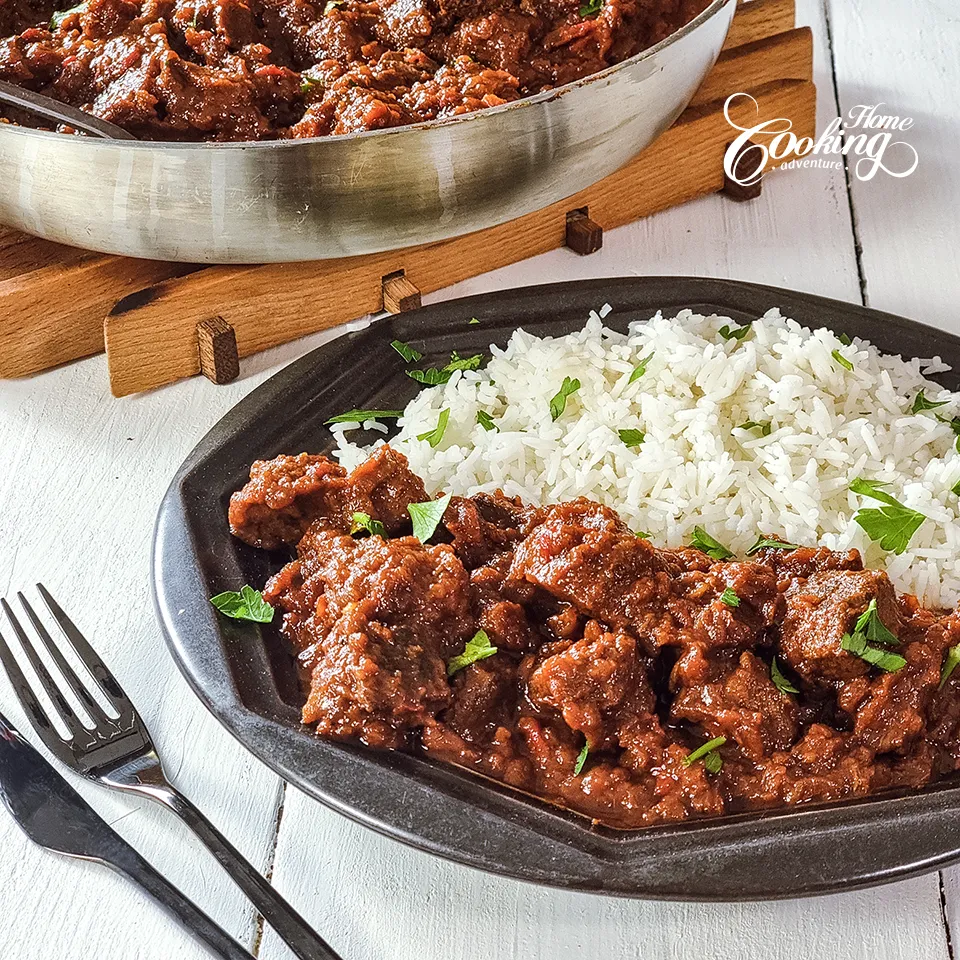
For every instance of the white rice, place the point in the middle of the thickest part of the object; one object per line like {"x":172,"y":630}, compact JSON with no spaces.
{"x":829,"y":425}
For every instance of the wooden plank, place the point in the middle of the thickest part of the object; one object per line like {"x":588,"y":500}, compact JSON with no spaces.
{"x":686,"y":162}
{"x":787,"y":56}
{"x":55,"y":313}
{"x":760,"y":18}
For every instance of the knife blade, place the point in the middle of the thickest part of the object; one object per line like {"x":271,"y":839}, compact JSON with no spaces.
{"x":54,"y":816}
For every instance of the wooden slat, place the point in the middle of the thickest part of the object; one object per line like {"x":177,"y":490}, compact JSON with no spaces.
{"x":787,"y":56}
{"x":760,"y":18}
{"x":151,"y":340}
{"x":55,"y":314}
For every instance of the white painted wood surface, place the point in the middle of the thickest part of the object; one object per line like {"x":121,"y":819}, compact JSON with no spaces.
{"x":83,"y":473}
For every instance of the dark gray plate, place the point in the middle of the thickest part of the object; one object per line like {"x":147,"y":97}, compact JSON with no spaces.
{"x":245,"y":677}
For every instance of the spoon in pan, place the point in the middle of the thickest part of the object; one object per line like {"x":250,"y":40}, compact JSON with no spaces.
{"x":46,"y":107}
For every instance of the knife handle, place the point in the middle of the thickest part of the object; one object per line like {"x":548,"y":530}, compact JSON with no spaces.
{"x":124,"y":859}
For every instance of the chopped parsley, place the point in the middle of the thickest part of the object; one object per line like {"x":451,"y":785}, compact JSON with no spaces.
{"x":426,"y":517}
{"x":868,"y":629}
{"x":953,"y":424}
{"x":463,"y":363}
{"x":486,"y":421}
{"x":705,"y":752}
{"x":431,"y":378}
{"x":591,"y":8}
{"x":730,"y":598}
{"x":434,"y":377}
{"x":361,"y":416}
{"x":764,"y":426}
{"x":712,"y":548}
{"x":472,"y":321}
{"x":434,"y":436}
{"x":765,"y":543}
{"x":956,"y":488}
{"x":892,"y":525}
{"x":248,"y":604}
{"x":406,"y":351}
{"x":307,"y":83}
{"x":581,"y":760}
{"x":841,"y":359}
{"x":58,"y":16}
{"x":363,"y":521}
{"x":477,"y":648}
{"x":643,"y":535}
{"x":857,"y":644}
{"x":559,"y":401}
{"x":920,"y":402}
{"x":641,"y":368}
{"x":949,"y":665}
{"x":844,"y":339}
{"x":632,"y":438}
{"x":733,"y":333}
{"x":779,"y":680}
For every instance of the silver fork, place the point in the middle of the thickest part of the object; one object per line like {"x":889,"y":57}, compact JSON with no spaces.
{"x":118,"y":752}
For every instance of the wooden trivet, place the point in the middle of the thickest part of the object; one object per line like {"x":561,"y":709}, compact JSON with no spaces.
{"x":165,"y":321}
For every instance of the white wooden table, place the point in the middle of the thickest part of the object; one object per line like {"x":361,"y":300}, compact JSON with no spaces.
{"x":82,"y":475}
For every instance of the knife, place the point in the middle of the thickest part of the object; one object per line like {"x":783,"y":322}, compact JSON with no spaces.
{"x":52,"y":814}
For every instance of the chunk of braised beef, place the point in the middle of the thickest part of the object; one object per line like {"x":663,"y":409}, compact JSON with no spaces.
{"x":821,"y":609}
{"x":285,"y":495}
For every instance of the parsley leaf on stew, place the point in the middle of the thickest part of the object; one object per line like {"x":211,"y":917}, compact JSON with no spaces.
{"x":591,"y":8}
{"x":632,"y":438}
{"x":581,"y":760}
{"x":703,"y":751}
{"x":248,"y":604}
{"x":58,"y":16}
{"x":873,"y":628}
{"x":426,"y":517}
{"x":406,"y":351}
{"x":363,"y":521}
{"x":764,"y":426}
{"x":713,"y":762}
{"x":730,"y":598}
{"x":765,"y":543}
{"x":856,"y":644}
{"x":841,"y":359}
{"x":559,"y":402}
{"x":920,"y":402}
{"x":477,"y":648}
{"x":869,"y":627}
{"x":712,"y":548}
{"x":434,"y":436}
{"x":779,"y":680}
{"x":641,"y":368}
{"x":361,"y":416}
{"x":949,"y":665}
{"x":307,"y":83}
{"x":733,"y":333}
{"x":486,"y":421}
{"x":893,"y":525}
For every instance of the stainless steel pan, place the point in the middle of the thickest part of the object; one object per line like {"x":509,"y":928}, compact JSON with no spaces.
{"x":354,"y":194}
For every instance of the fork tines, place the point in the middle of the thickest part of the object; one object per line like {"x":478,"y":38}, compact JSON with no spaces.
{"x":84,"y":737}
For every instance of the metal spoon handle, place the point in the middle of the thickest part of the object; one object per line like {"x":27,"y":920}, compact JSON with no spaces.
{"x":61,"y":113}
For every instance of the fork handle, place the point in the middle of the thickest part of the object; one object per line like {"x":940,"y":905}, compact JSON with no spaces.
{"x":299,"y":936}
{"x":124,"y":859}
